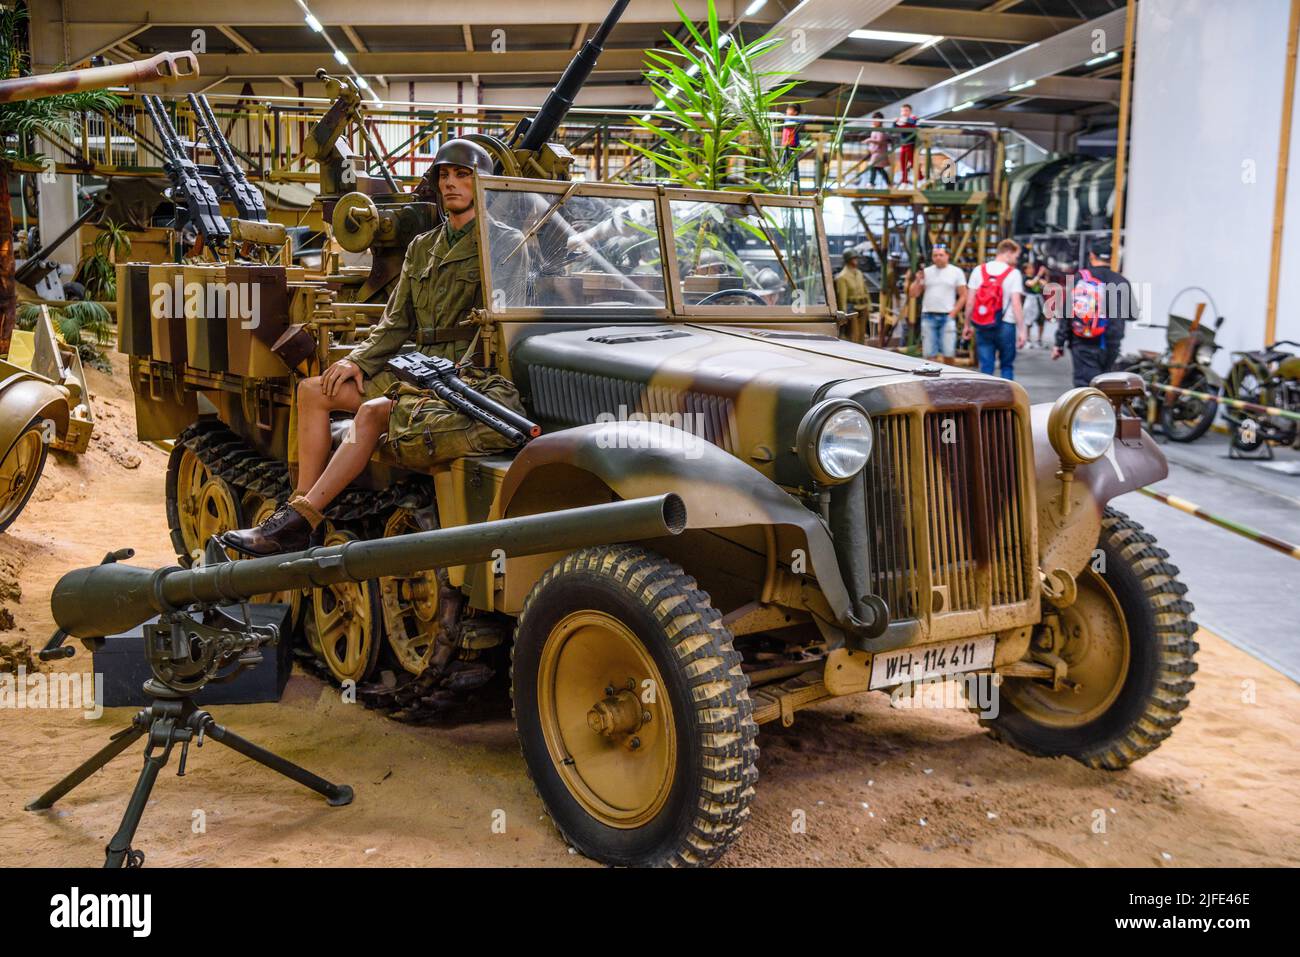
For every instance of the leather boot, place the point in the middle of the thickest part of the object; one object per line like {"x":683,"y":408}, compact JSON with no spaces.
{"x":284,"y":531}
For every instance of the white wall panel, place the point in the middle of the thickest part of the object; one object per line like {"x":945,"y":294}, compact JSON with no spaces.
{"x":1206,"y":112}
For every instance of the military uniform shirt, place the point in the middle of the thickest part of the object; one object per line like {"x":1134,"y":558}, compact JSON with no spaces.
{"x":440,"y":283}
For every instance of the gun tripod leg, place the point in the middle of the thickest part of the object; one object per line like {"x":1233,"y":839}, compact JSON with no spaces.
{"x":116,"y":745}
{"x":336,"y":794}
{"x":119,"y":852}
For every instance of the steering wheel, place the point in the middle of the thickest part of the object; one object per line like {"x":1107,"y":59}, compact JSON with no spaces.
{"x":723,"y":293}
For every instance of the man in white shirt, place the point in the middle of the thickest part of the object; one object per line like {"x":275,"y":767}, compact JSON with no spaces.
{"x":942,"y":287}
{"x":998,"y":320}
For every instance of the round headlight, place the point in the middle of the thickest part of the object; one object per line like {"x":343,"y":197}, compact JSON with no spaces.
{"x":1093,"y":428}
{"x":1205,"y":354}
{"x":835,"y":440}
{"x":1081,"y":426}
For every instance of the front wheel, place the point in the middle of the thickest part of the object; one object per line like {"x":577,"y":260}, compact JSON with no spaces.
{"x":632,"y":710}
{"x":20,"y":468}
{"x":1187,"y":417}
{"x":1127,"y":643}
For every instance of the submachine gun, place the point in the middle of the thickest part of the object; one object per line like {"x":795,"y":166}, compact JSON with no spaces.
{"x":206,"y":624}
{"x":441,"y":377}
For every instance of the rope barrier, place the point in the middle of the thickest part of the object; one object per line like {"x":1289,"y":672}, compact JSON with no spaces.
{"x":1231,"y":403}
{"x":1245,"y":531}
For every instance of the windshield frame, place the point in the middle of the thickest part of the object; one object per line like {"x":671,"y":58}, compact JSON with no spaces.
{"x":674,"y":306}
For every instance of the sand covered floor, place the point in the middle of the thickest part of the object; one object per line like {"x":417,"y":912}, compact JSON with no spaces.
{"x":854,"y":782}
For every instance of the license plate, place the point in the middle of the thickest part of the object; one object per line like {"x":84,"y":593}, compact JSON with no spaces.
{"x":931,"y":661}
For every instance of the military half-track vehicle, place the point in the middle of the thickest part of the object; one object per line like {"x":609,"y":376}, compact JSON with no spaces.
{"x":842,"y":519}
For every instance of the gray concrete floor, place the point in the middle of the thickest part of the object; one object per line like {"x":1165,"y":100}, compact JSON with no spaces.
{"x":1243,"y":591}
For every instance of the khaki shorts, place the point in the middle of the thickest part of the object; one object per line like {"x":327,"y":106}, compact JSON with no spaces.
{"x":425,"y":432}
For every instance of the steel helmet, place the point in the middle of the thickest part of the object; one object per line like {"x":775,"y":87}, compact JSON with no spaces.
{"x":462,"y":152}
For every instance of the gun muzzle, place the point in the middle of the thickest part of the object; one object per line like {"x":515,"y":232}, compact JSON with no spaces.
{"x":113,"y":598}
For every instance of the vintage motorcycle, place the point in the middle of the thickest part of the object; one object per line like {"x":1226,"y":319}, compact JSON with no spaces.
{"x":1185,"y":364}
{"x":1269,"y":377}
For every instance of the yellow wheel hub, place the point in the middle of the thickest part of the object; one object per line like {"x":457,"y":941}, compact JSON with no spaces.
{"x":411,"y":606}
{"x":191,"y":476}
{"x":1093,"y":640}
{"x":18,"y":472}
{"x":344,"y":625}
{"x":216,"y":512}
{"x":606,"y":719}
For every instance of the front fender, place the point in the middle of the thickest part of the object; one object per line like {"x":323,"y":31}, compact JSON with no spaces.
{"x":1068,"y":541}
{"x":720,"y":491}
{"x":24,"y":397}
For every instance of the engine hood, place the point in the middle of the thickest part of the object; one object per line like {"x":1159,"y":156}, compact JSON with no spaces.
{"x":744,"y":388}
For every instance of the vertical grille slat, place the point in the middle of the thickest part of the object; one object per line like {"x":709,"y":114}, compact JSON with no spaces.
{"x":1001,"y":450}
{"x":892,"y":552}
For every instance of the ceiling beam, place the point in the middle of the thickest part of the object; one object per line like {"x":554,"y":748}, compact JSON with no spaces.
{"x":1039,"y":64}
{"x":235,"y":37}
{"x":453,"y":63}
{"x":812,"y":29}
{"x":414,"y":13}
{"x":973,"y":24}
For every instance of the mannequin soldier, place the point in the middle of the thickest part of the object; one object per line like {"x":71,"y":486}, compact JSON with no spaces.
{"x":430,"y":306}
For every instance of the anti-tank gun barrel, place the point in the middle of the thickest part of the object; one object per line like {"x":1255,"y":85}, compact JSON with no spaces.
{"x":114,"y":597}
{"x":163,"y":66}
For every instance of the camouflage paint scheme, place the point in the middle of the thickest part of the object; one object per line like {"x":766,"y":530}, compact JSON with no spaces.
{"x":751,"y":383}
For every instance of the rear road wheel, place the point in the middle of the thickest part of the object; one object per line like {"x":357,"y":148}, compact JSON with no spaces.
{"x":20,"y":469}
{"x":1127,"y":642}
{"x":632,"y":710}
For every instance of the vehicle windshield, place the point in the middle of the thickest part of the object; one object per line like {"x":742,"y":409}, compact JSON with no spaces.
{"x":740,"y":253}
{"x":576,"y":249}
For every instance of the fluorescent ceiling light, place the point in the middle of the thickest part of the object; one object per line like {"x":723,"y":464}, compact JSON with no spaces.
{"x":341,"y":56}
{"x":892,"y":36}
{"x":963,"y":106}
{"x":361,"y":82}
{"x":754,"y":7}
{"x":1022,"y":86}
{"x":1103,"y":58}
{"x":314,"y":23}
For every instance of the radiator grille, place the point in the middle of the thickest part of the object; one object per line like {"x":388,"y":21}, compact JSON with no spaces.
{"x":889,"y":512}
{"x":948,"y":474}
{"x":1000,"y":448}
{"x":579,"y":398}
{"x":968,"y":527}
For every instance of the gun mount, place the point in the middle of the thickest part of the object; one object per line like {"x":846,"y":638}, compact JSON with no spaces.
{"x":376,"y":215}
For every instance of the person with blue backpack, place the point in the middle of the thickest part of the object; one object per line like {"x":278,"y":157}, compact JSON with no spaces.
{"x":1097,"y":304}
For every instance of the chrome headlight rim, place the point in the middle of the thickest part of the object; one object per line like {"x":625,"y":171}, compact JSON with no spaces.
{"x":808,"y":441}
{"x":1063,"y":418}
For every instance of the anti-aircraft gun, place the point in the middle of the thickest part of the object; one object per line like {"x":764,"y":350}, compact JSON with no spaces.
{"x":365,"y":217}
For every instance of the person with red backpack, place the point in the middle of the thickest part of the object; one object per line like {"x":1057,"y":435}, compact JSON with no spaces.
{"x":995,"y":310}
{"x":1097,"y":303}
